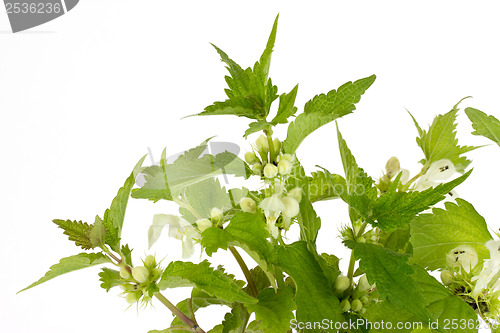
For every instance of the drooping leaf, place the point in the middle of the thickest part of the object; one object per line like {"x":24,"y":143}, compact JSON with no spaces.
{"x":396,"y":209}
{"x":76,"y":231}
{"x":274,"y":310}
{"x":72,"y":263}
{"x":110,"y":278}
{"x":323,"y":109}
{"x":487,"y":126}
{"x":205,"y":278}
{"x":434,"y":235}
{"x":393,"y":278}
{"x":440,"y":142}
{"x":314,"y":297}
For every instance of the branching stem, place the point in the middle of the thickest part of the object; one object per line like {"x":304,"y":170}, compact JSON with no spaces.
{"x":178,"y":313}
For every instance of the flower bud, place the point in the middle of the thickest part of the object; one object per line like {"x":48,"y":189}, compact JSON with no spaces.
{"x":291,"y":207}
{"x":216,"y":214}
{"x":446,"y":277}
{"x":156,"y":272}
{"x":270,"y":170}
{"x":250,"y":157}
{"x":364,"y":300}
{"x":133,"y":297}
{"x":296,"y":193}
{"x":287,"y":157}
{"x":341,"y":284}
{"x":204,"y":224}
{"x":257,"y":168}
{"x":356,"y":305}
{"x":248,"y":205}
{"x":392,"y":167}
{"x":284,"y":167}
{"x":140,"y":274}
{"x":345,"y":305}
{"x":262,"y":144}
{"x":276,"y":145}
{"x":124,"y":273}
{"x":149,"y":261}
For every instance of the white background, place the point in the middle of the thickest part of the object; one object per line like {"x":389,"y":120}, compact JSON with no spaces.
{"x":84,"y":96}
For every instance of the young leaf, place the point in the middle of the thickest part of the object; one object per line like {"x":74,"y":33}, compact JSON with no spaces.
{"x":440,"y":142}
{"x":274,"y":310}
{"x":97,"y":234}
{"x":69,"y":264}
{"x":286,"y":107}
{"x":323,"y":109}
{"x":487,"y":126}
{"x":395,"y":209}
{"x":127,"y":253}
{"x":322,"y":187}
{"x":314,"y":297}
{"x":434,"y":235}
{"x":392,"y":275}
{"x":235,"y":321}
{"x":110,"y":278}
{"x":309,"y":222}
{"x":205,"y":278}
{"x":76,"y":231}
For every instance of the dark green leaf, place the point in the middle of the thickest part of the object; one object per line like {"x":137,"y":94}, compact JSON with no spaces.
{"x":76,"y":231}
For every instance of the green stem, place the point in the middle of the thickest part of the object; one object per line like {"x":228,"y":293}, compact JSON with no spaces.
{"x":178,"y":313}
{"x":272,"y":153}
{"x":350,"y":271}
{"x":251,"y":283}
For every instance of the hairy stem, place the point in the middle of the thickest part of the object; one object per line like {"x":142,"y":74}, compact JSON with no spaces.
{"x":178,"y":313}
{"x":246,"y":271}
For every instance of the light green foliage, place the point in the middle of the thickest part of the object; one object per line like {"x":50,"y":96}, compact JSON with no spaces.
{"x":110,"y":278}
{"x":441,"y":304}
{"x":440,"y":142}
{"x":202,"y":197}
{"x":396,"y":209}
{"x":235,"y":320}
{"x":323,"y":109}
{"x":76,"y":231}
{"x":434,"y":235}
{"x":274,"y":310}
{"x":487,"y":126}
{"x":97,"y":234}
{"x":69,"y":264}
{"x":392,"y":275}
{"x":314,"y":297}
{"x":205,"y":278}
{"x":286,"y":107}
{"x":322,"y":187}
{"x":309,"y":222}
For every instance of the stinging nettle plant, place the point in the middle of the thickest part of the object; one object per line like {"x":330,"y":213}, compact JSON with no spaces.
{"x":396,"y":235}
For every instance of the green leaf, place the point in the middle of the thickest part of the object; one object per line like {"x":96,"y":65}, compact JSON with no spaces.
{"x":198,"y":300}
{"x":395,"y":209}
{"x":274,"y":310}
{"x":72,"y":263}
{"x":397,"y":241}
{"x":323,"y":109}
{"x":286,"y":107}
{"x":487,"y":126}
{"x":110,"y":278}
{"x":309,"y":222}
{"x":76,"y":231}
{"x":314,"y":297}
{"x":262,"y":67}
{"x":440,"y":142}
{"x":247,"y":231}
{"x":392,"y":275}
{"x":205,"y":195}
{"x":322,"y":187}
{"x":205,"y":278}
{"x":97,"y":234}
{"x":114,"y":216}
{"x":442,"y":305}
{"x":127,"y":253}
{"x":256,"y":127}
{"x":235,"y":321}
{"x":434,"y":235}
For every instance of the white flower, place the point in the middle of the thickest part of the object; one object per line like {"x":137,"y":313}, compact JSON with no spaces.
{"x":204,"y":224}
{"x":270,"y":170}
{"x":491,"y":270}
{"x":216,"y":214}
{"x":438,"y":171}
{"x":140,"y":274}
{"x":291,"y":207}
{"x":462,"y":256}
{"x":248,"y":205}
{"x":284,"y":167}
{"x":272,"y":206}
{"x":178,"y":228}
{"x":296,"y":193}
